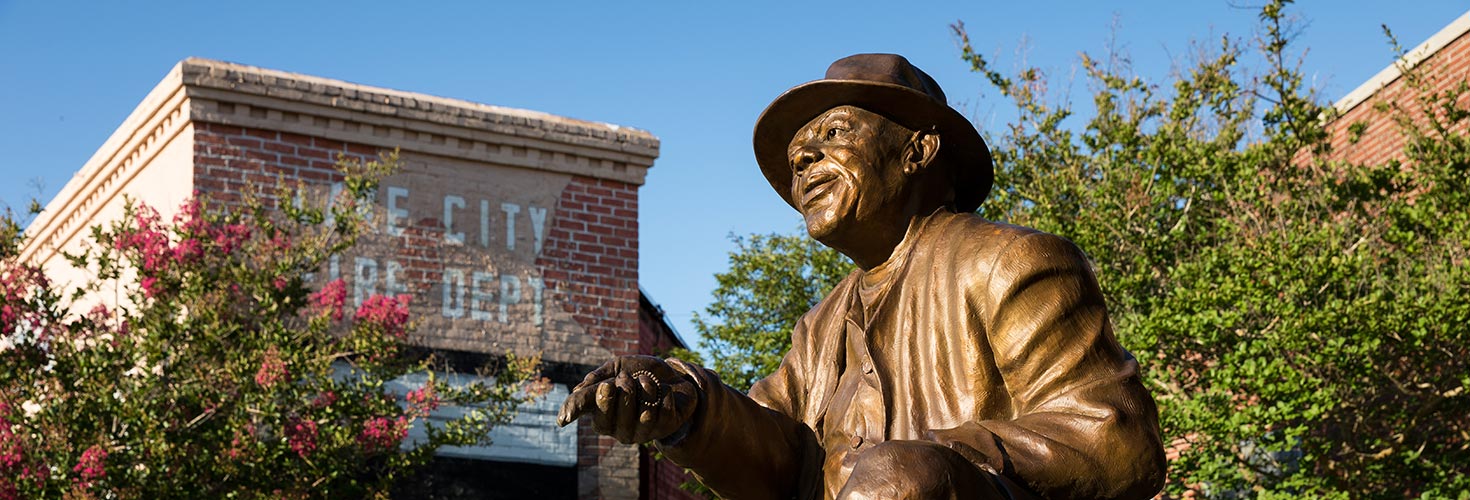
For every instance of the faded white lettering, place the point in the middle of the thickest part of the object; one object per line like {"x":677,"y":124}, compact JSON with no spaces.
{"x":510,"y":209}
{"x":510,"y":293}
{"x":393,"y":286}
{"x":538,"y":225}
{"x":537,"y":287}
{"x":452,"y":237}
{"x":396,"y":215}
{"x":453,"y":304}
{"x":364,"y":279}
{"x":485,"y":223}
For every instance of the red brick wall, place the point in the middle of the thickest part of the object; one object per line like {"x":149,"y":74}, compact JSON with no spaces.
{"x":1382,"y":139}
{"x":662,"y":478}
{"x":593,"y":249}
{"x":230,"y":160}
{"x":590,"y":257}
{"x":654,"y":338}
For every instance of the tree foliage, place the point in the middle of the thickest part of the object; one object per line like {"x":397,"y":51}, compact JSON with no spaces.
{"x":1300,"y":319}
{"x":773,"y":280}
{"x":199,"y":359}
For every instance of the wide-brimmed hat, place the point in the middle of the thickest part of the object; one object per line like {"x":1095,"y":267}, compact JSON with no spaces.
{"x":886,"y":84}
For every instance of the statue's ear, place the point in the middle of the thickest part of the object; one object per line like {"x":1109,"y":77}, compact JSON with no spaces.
{"x":921,"y":150}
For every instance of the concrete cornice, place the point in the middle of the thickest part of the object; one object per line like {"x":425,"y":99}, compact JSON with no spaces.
{"x":236,"y":94}
{"x":154,"y":123}
{"x":1456,"y":29}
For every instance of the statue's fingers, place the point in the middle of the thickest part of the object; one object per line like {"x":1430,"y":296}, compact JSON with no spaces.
{"x":650,"y":424}
{"x":605,"y":420}
{"x":676,"y":368}
{"x":667,"y":417}
{"x":682,"y":400}
{"x":577,"y":403}
{"x":606,"y":371}
{"x":628,"y":408}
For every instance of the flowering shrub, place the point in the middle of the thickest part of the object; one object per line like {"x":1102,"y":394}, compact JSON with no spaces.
{"x":209,"y":364}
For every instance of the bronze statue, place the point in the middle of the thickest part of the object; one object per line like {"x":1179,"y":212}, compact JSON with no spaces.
{"x":964,"y":359}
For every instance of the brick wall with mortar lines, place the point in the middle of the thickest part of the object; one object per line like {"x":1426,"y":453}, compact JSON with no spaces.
{"x":231,"y":160}
{"x":590,"y":258}
{"x":593,"y":247}
{"x":594,"y":243}
{"x":1383,"y":140}
{"x":663,"y":479}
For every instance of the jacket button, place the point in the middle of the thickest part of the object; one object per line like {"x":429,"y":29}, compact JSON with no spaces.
{"x":857,"y":441}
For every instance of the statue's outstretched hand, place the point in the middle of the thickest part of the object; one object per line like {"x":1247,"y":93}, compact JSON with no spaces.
{"x":634,"y":399}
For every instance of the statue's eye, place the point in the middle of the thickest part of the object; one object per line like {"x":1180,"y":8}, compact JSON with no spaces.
{"x":833,"y":132}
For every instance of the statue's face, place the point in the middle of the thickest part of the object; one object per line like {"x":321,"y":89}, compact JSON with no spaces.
{"x":845,"y":171}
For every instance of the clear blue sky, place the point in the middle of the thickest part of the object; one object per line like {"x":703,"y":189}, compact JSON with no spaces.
{"x":695,"y":75}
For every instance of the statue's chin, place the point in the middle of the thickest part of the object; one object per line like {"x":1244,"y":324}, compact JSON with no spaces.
{"x":824,"y":225}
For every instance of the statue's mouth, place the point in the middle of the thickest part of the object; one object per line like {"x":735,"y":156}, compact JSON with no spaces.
{"x":818,"y":184}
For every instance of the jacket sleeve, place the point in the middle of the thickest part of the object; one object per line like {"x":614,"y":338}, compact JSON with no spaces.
{"x":1083,"y":426}
{"x":753,"y":447}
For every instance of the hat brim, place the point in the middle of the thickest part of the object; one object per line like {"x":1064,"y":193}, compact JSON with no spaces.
{"x":961,"y":147}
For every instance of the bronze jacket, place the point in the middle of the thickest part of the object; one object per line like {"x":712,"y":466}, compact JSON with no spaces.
{"x":994,"y":340}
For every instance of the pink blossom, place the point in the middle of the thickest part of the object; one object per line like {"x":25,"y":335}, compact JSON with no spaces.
{"x":380,"y":433}
{"x":150,"y":286}
{"x":148,"y":240}
{"x":325,"y":399}
{"x":11,"y":452}
{"x":423,"y":400}
{"x":301,"y":434}
{"x":8,"y":314}
{"x":332,"y":297}
{"x":90,"y":467}
{"x":231,"y":236}
{"x":272,"y":369}
{"x":280,"y":283}
{"x":235,"y":447}
{"x":188,"y":220}
{"x":391,"y":315}
{"x":188,"y":251}
{"x":16,"y":285}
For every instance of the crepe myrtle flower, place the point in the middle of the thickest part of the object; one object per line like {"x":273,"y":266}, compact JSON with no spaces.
{"x":332,"y":297}
{"x":301,"y":435}
{"x":382,"y":433}
{"x":90,"y":467}
{"x":389,"y":314}
{"x":423,"y":400}
{"x":272,"y":369}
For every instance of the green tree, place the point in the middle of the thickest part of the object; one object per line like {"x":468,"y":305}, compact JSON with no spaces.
{"x":199,"y":360}
{"x":1301,"y":320}
{"x":773,"y":280}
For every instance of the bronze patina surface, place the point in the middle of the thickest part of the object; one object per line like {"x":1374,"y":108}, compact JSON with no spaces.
{"x":963,"y":359}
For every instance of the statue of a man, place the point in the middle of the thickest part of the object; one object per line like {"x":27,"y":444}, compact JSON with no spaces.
{"x":963,"y":359}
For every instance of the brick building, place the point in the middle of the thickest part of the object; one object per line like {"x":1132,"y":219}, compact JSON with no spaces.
{"x":514,"y":231}
{"x":1365,"y":132}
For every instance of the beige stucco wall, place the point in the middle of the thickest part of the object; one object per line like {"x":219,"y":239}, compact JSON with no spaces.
{"x":158,"y":172}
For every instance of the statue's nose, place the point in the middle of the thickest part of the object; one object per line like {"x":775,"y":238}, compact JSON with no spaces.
{"x":804,"y":157}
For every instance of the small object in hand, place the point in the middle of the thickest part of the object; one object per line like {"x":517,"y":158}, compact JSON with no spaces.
{"x":649,"y":385}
